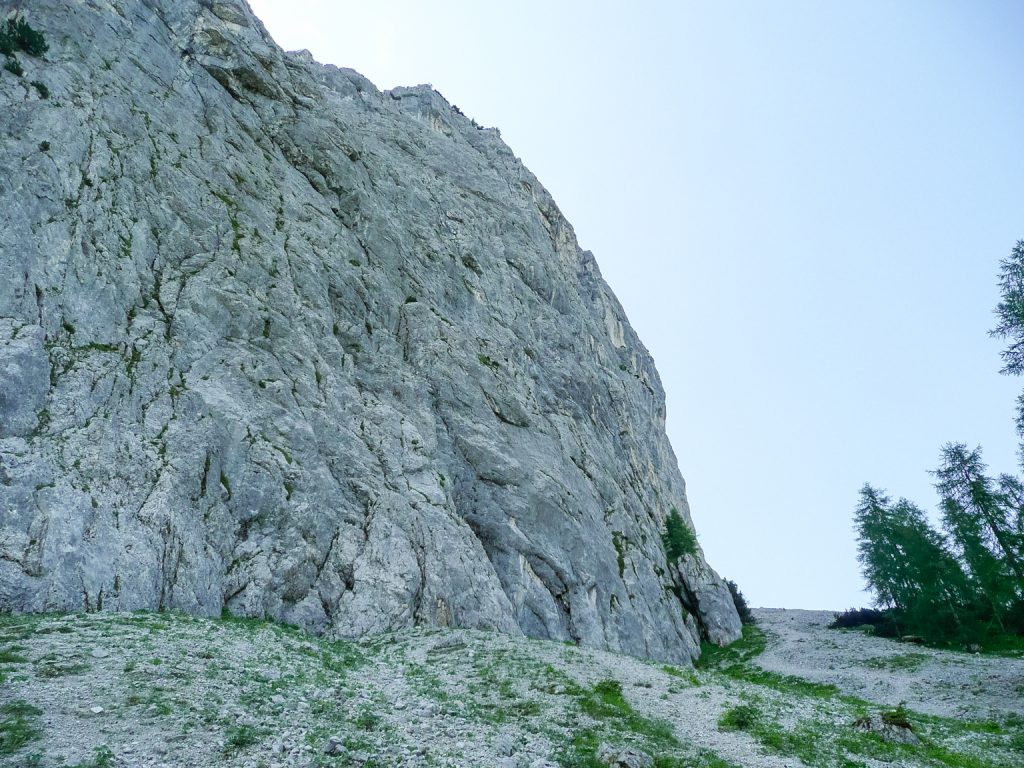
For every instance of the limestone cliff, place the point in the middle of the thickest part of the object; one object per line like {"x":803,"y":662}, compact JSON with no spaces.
{"x":276,"y":341}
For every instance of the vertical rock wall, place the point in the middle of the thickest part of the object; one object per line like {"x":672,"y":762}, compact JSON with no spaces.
{"x":276,"y":341}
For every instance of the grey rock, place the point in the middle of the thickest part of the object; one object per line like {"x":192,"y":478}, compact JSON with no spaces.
{"x":275,"y":341}
{"x":889,"y":731}
{"x":505,"y":745}
{"x":334,"y":746}
{"x":623,"y":757}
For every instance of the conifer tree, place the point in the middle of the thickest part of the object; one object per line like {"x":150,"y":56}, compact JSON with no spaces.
{"x":1012,"y":490}
{"x":938,"y":592}
{"x":977,"y":518}
{"x":907,"y":565}
{"x":1010,"y":320}
{"x":1010,"y":310}
{"x":678,"y":538}
{"x":877,"y":551}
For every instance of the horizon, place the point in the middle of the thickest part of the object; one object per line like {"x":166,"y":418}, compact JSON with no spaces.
{"x":803,"y":217}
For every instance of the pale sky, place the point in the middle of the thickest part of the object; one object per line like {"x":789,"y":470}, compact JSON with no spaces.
{"x":802,"y":207}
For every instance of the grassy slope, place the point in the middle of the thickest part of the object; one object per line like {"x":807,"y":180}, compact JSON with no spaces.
{"x":811,"y":721}
{"x":228,"y":692}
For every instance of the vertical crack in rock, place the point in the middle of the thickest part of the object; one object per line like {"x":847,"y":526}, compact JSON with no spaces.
{"x":276,"y":341}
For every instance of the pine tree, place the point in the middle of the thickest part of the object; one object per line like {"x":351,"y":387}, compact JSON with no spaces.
{"x":1010,"y":320}
{"x":678,"y":537}
{"x":1012,"y":491}
{"x":938,"y":592}
{"x":877,"y":551}
{"x":977,"y":518}
{"x":907,"y":565}
{"x":1010,"y":310}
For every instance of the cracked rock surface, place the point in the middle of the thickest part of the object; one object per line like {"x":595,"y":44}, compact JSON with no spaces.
{"x":275,"y":341}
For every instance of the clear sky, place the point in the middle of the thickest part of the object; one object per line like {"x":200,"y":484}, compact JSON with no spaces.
{"x":802,"y":207}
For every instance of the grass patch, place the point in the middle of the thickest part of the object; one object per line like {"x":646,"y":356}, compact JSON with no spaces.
{"x":686,"y":675}
{"x":827,"y":738}
{"x":239,"y":737}
{"x":904,"y":662}
{"x":10,"y":655}
{"x":737,"y":661}
{"x":740,"y":718}
{"x":617,"y":722}
{"x":18,"y":725}
{"x":50,"y":666}
{"x":103,"y":757}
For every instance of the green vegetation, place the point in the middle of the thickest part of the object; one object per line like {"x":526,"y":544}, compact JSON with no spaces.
{"x":41,"y":89}
{"x":898,"y":716}
{"x":102,"y":758}
{"x":814,"y":722}
{"x":615,"y":720}
{"x":746,"y":617}
{"x":619,"y":542}
{"x":740,"y":718}
{"x":18,"y":35}
{"x":18,"y":725}
{"x":200,"y":675}
{"x":678,"y":537}
{"x":240,"y":737}
{"x":10,"y":655}
{"x":963,"y":586}
{"x":906,"y":662}
{"x":737,"y":661}
{"x":236,"y":227}
{"x":50,"y":666}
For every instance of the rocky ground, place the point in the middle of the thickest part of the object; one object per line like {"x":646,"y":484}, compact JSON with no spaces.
{"x":957,"y":685}
{"x":145,"y":689}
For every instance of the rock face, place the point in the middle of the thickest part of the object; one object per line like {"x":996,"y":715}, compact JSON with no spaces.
{"x":274,"y":341}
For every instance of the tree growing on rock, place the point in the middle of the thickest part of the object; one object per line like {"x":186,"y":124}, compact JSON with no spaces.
{"x":678,"y":538}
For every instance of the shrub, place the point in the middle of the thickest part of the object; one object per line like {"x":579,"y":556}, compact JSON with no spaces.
{"x":897,"y":717}
{"x":44,"y":146}
{"x":367,"y":720}
{"x":606,"y":701}
{"x":41,"y":89}
{"x":240,"y":737}
{"x":741,"y":718}
{"x":13,"y":66}
{"x":678,"y":538}
{"x":19,"y":35}
{"x":882,"y":622}
{"x":746,"y":617}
